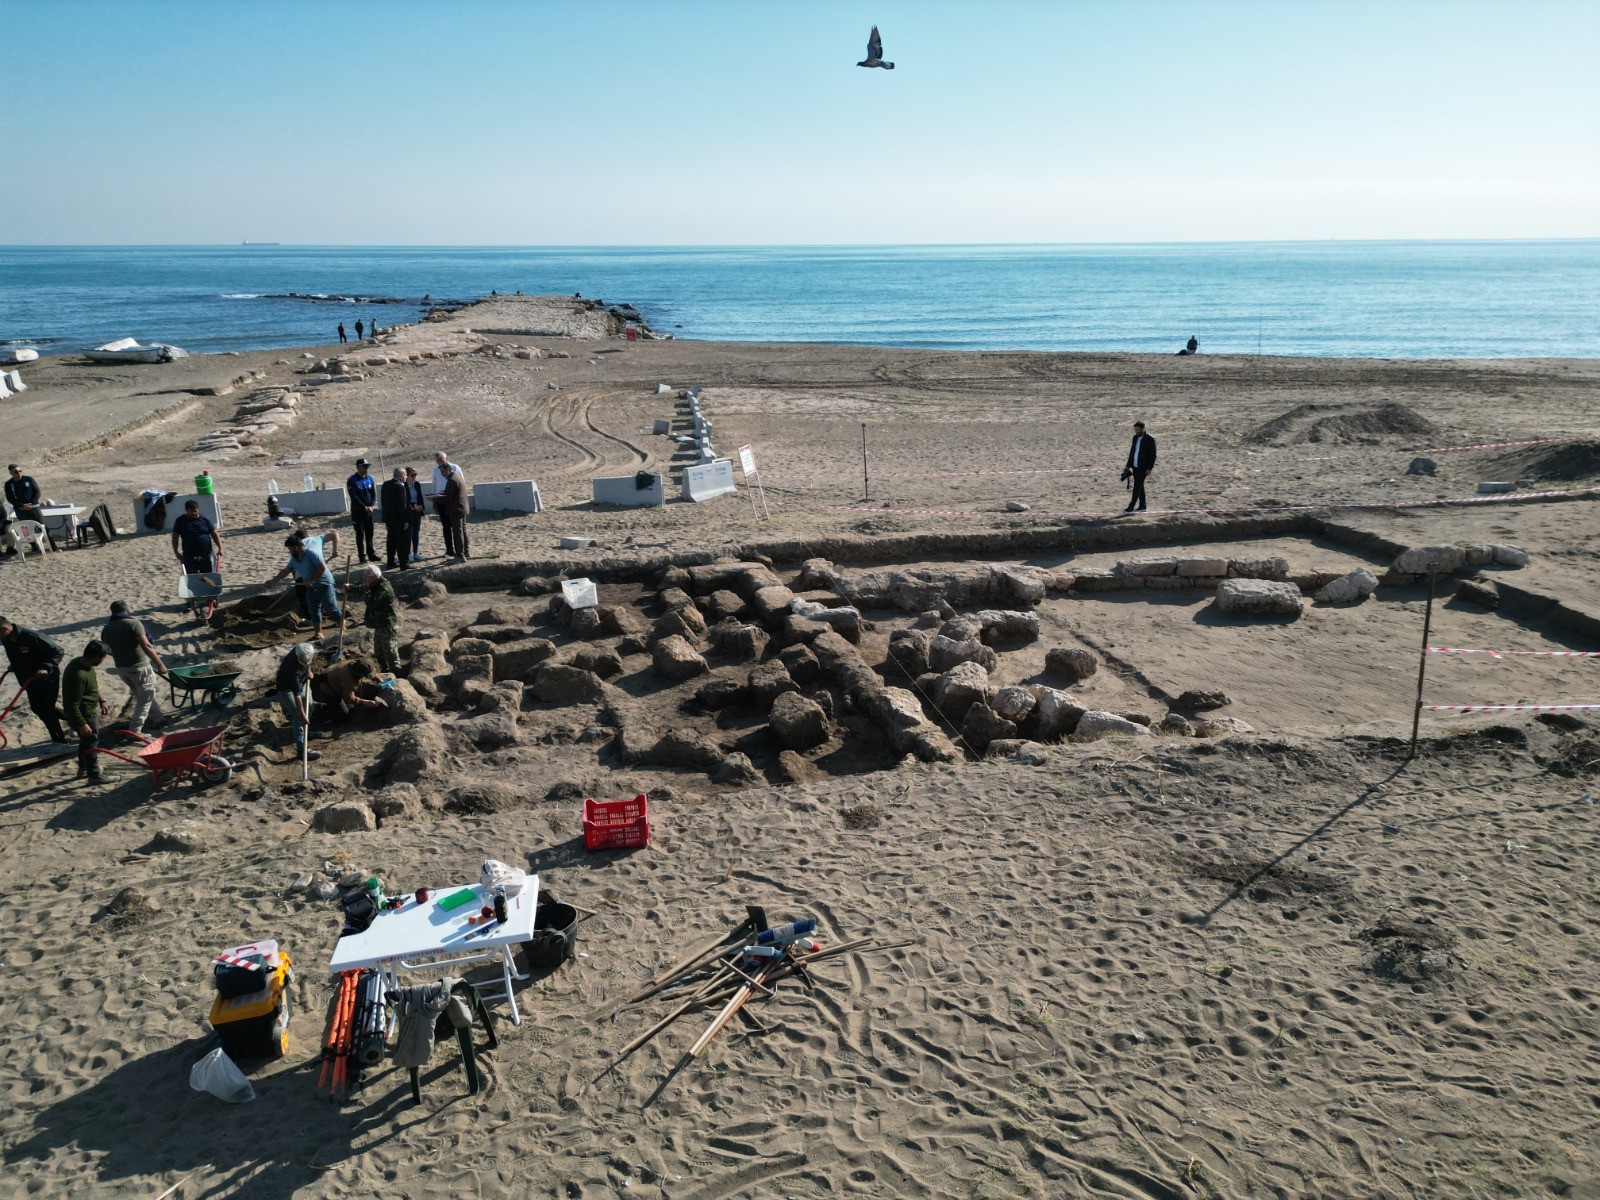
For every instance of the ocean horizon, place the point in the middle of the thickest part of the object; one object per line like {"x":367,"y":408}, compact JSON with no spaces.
{"x":1365,"y":299}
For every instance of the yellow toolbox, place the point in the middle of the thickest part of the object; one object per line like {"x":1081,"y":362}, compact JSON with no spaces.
{"x":256,"y":1025}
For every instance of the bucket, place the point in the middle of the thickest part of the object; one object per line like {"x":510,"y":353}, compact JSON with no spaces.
{"x":555,"y":933}
{"x":202,"y":483}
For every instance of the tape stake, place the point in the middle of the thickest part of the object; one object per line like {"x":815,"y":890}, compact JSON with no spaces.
{"x":1472,"y":708}
{"x":1517,"y":653}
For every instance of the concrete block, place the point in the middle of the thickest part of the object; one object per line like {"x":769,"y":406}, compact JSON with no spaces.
{"x":1493,"y":487}
{"x":709,"y":481}
{"x":622,"y":490}
{"x":1202,"y":566}
{"x":324,"y":502}
{"x":661,"y":426}
{"x":208,"y":508}
{"x":517,"y":495}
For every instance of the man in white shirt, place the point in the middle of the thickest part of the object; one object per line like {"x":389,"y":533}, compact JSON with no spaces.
{"x":442,"y":464}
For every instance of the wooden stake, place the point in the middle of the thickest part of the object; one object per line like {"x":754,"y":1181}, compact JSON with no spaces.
{"x":1422,"y":666}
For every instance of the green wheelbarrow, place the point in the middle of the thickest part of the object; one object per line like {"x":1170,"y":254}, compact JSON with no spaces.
{"x":203,"y":684}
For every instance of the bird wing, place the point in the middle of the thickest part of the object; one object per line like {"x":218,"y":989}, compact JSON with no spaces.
{"x":874,"y":45}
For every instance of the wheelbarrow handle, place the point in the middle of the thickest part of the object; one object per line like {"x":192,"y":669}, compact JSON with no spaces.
{"x":136,"y":736}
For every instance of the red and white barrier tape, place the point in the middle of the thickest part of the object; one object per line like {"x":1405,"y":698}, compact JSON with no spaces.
{"x":1469,"y":708}
{"x":1492,"y":445}
{"x":233,"y":960}
{"x":1499,"y":498}
{"x":1517,"y":653}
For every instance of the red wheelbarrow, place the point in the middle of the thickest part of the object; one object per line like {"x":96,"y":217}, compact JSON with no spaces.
{"x":174,"y":757}
{"x":6,"y":712}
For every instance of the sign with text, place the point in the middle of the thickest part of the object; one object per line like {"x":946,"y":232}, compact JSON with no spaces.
{"x":747,"y":460}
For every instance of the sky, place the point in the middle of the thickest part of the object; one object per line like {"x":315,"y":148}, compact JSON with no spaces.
{"x":696,"y":122}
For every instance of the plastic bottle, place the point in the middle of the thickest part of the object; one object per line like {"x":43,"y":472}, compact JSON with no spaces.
{"x":272,"y":487}
{"x":501,"y":913}
{"x":310,"y":486}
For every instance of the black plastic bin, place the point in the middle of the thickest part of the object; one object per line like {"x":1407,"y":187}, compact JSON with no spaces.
{"x":555,"y":933}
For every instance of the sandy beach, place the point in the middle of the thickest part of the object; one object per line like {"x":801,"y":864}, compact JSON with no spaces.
{"x":1244,"y":946}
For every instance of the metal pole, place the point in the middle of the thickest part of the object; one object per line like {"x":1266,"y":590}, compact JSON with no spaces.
{"x":305,"y":745}
{"x":866,"y":490}
{"x":1422,"y":665}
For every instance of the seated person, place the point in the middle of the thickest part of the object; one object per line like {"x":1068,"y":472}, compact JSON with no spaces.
{"x":334,"y":692}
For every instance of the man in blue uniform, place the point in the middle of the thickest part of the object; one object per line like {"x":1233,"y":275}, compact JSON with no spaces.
{"x":363,"y":491}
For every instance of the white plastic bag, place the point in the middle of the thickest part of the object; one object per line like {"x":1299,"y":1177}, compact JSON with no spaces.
{"x":495,"y":873}
{"x":217,"y":1074}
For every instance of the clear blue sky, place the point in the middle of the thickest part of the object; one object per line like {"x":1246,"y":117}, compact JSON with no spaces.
{"x":746,"y":121}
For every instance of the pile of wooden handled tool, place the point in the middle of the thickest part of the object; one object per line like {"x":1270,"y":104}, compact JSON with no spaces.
{"x":727,"y":972}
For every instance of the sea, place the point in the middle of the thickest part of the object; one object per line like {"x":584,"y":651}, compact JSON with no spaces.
{"x":1397,"y":299}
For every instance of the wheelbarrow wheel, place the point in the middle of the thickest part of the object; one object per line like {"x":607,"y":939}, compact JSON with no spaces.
{"x":214,"y":769}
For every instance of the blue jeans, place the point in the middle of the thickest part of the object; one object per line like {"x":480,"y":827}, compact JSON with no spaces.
{"x":292,"y":711}
{"x":321,"y":603}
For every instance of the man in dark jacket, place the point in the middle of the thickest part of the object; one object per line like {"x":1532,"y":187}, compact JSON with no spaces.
{"x":23,"y":494}
{"x":363,"y":491}
{"x":80,"y":690}
{"x":1141,"y":461}
{"x":453,"y":512}
{"x":36,"y":662}
{"x":396,"y":522}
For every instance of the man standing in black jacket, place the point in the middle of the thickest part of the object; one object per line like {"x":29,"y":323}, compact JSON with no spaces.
{"x":1141,"y":461}
{"x":396,"y":506}
{"x":36,"y":662}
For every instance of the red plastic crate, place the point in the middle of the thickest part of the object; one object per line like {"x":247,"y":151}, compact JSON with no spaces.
{"x":616,"y":824}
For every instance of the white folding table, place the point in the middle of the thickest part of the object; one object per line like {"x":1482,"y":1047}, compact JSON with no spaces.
{"x":426,"y":937}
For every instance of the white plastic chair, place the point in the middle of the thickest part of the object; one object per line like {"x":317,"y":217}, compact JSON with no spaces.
{"x":30,"y":533}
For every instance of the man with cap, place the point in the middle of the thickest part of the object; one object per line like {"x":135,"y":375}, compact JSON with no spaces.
{"x":311,"y":572}
{"x":80,"y":690}
{"x":396,"y":522}
{"x":132,"y":655}
{"x":363,"y":491}
{"x":198,"y":547}
{"x":383,"y":618}
{"x":36,"y":662}
{"x":293,"y":680}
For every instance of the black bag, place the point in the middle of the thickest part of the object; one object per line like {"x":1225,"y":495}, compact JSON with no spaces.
{"x":155,"y":517}
{"x":100,"y":522}
{"x":643,"y":481}
{"x":240,"y":981}
{"x":360,"y":911}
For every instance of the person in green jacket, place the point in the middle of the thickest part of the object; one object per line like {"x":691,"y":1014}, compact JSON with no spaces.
{"x":80,"y":692}
{"x":383,"y":618}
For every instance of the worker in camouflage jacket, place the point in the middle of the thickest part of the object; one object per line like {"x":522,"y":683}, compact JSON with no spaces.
{"x":383,"y":618}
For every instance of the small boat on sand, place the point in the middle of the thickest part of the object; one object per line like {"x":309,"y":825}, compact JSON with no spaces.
{"x":12,"y":357}
{"x":128,"y":350}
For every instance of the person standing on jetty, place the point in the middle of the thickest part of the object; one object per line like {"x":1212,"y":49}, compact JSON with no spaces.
{"x":342,"y":338}
{"x":80,"y":690}
{"x":1141,"y":461}
{"x":133,"y":654}
{"x":36,"y":662}
{"x":363,"y":491}
{"x":396,"y":522}
{"x":359,"y":334}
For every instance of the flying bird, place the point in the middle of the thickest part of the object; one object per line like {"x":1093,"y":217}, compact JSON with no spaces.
{"x":875,"y":53}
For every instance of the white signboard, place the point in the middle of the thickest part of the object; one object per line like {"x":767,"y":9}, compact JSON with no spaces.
{"x":747,"y":461}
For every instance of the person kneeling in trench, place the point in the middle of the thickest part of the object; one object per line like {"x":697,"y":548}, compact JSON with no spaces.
{"x":335,"y":693}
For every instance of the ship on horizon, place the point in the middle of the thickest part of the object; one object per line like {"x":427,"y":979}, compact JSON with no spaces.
{"x":260,"y":243}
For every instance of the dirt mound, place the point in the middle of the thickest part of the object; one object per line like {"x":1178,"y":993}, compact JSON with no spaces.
{"x":1366,"y":424}
{"x":1411,"y":951}
{"x":1566,"y":462}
